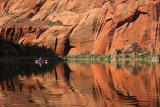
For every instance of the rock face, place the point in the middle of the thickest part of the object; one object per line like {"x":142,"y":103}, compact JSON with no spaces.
{"x":114,"y":53}
{"x":82,"y":26}
{"x":133,"y":47}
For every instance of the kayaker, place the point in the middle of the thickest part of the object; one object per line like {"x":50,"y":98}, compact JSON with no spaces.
{"x":40,"y":59}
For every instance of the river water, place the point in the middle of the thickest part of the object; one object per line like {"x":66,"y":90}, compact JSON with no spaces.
{"x":80,"y":84}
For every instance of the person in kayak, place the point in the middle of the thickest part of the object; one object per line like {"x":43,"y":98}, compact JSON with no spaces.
{"x":40,"y":59}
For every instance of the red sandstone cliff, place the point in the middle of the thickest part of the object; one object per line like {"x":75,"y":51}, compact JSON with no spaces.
{"x":82,"y":26}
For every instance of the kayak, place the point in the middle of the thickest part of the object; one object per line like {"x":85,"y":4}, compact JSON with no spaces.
{"x":42,"y":61}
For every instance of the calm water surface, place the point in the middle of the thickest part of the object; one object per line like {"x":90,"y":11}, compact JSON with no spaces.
{"x":80,"y":84}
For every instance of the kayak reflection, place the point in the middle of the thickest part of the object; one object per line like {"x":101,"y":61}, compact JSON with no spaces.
{"x":40,"y":62}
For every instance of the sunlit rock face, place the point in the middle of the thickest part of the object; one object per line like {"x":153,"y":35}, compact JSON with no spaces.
{"x":82,"y":26}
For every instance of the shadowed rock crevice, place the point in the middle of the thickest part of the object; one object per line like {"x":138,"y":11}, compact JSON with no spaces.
{"x":37,"y":8}
{"x":66,"y":4}
{"x":158,"y":11}
{"x":32,"y":30}
{"x":133,"y":99}
{"x":130,"y":19}
{"x":110,"y":38}
{"x":40,"y":32}
{"x":67,"y":45}
{"x":101,"y":23}
{"x":99,"y":27}
{"x":8,"y":32}
{"x":56,"y":42}
{"x":12,"y":34}
{"x":5,"y":4}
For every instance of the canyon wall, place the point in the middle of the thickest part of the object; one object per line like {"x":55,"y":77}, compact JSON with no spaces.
{"x":77,"y":27}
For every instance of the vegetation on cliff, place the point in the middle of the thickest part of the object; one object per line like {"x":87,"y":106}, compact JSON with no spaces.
{"x":131,"y":51}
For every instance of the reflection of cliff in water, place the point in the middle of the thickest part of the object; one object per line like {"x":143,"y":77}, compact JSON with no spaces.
{"x":134,"y":84}
{"x":82,"y":84}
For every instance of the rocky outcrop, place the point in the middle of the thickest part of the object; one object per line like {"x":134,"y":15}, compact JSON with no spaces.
{"x":86,"y":26}
{"x":133,"y":47}
{"x":114,"y":53}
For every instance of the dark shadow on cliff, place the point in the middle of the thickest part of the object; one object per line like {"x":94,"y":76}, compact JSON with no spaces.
{"x":67,"y":47}
{"x":12,"y":49}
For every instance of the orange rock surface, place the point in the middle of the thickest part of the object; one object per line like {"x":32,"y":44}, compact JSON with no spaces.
{"x":77,"y":27}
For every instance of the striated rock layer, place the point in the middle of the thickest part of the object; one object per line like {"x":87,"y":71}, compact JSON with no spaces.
{"x":76,"y":27}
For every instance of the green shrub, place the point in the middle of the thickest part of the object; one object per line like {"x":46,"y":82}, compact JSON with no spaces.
{"x":148,"y":55}
{"x":81,"y":53}
{"x":135,"y":53}
{"x":127,"y":56}
{"x":144,"y":56}
{"x":119,"y":56}
{"x":50,"y":22}
{"x":108,"y":56}
{"x":140,"y":50}
{"x":154,"y":53}
{"x":148,"y":52}
{"x":118,"y":51}
{"x":127,"y":62}
{"x":138,"y":56}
